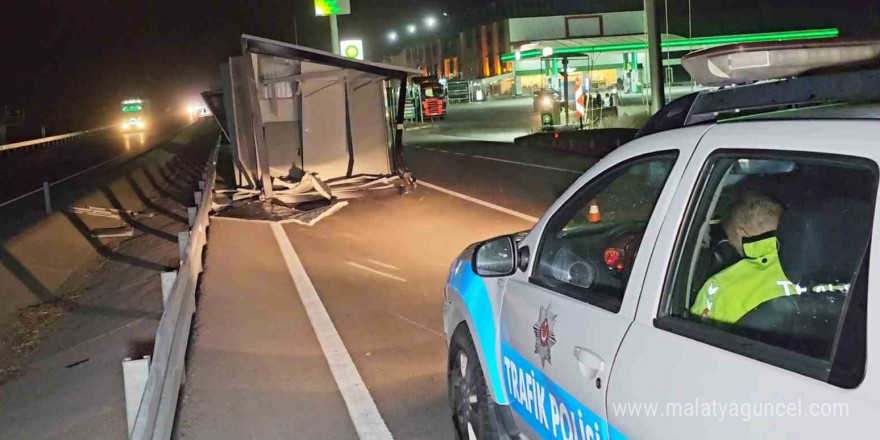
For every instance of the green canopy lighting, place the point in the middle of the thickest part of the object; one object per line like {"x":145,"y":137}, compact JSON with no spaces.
{"x":685,"y":43}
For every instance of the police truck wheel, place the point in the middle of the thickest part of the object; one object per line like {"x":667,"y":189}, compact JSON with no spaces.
{"x":468,"y":394}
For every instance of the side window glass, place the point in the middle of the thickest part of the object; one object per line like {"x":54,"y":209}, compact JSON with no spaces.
{"x":772,"y":249}
{"x":590,"y":244}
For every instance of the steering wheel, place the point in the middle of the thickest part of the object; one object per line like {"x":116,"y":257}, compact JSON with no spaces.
{"x":570,"y":268}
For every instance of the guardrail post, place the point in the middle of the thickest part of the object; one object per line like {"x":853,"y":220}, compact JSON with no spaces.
{"x":168,"y":279}
{"x":182,"y":242}
{"x":191,"y":215}
{"x":46,"y":198}
{"x":134,"y":377}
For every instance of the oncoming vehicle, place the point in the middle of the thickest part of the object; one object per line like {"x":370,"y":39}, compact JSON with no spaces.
{"x":589,"y":326}
{"x":546,"y":99}
{"x":134,"y":119}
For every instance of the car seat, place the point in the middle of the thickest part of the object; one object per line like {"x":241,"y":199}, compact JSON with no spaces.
{"x":821,"y":245}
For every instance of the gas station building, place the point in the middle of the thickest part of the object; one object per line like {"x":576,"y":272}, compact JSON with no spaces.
{"x":517,"y":56}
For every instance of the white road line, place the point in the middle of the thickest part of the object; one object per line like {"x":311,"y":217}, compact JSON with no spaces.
{"x":361,"y":408}
{"x":529,"y":165}
{"x":480,"y":202}
{"x":460,"y":154}
{"x":385,"y":265}
{"x":377,"y":272}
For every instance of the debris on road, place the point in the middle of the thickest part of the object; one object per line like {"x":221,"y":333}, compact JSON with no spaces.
{"x":105,"y":212}
{"x":35,"y":322}
{"x":312,"y":188}
{"x":309,"y":183}
{"x":79,"y":362}
{"x":306,"y":213}
{"x":123,"y":231}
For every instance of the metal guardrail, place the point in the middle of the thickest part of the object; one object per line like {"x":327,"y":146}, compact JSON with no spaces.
{"x":158,"y":404}
{"x":458,"y":91}
{"x":51,"y":139}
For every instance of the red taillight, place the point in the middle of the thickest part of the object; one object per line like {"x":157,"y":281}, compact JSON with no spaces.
{"x":613,"y":258}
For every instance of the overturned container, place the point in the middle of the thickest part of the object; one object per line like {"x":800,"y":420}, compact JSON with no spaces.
{"x":307,"y":125}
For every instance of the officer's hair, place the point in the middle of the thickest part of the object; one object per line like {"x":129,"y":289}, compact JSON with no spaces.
{"x":755,"y":210}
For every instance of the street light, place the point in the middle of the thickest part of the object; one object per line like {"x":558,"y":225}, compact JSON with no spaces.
{"x":430,"y":21}
{"x":392,"y":36}
{"x":411,"y":28}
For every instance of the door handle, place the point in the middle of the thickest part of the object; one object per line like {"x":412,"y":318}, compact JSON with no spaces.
{"x":589,"y":362}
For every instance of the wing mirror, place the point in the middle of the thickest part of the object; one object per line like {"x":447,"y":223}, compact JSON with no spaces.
{"x":499,"y":257}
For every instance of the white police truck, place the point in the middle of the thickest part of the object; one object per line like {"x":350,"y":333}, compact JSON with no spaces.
{"x":583,"y":328}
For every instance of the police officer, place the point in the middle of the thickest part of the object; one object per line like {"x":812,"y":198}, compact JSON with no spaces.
{"x":758,"y":277}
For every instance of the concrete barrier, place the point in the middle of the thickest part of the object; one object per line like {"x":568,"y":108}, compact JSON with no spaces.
{"x":39,"y":252}
{"x":593,"y":143}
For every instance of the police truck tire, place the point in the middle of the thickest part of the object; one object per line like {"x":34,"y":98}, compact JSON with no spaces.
{"x":468,"y":393}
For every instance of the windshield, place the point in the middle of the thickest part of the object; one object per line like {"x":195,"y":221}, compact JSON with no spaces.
{"x":433,"y":92}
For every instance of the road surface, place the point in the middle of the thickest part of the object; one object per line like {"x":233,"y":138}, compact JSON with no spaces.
{"x":260,"y":366}
{"x":23,"y":170}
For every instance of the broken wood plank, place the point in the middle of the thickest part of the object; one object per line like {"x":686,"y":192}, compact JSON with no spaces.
{"x":112,"y":232}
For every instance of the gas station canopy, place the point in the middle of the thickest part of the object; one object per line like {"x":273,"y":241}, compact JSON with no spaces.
{"x":627,"y":43}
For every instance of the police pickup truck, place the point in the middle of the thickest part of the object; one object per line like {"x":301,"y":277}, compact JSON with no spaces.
{"x":709,"y":279}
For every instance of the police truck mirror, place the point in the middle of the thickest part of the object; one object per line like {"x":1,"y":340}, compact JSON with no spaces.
{"x":495,"y":258}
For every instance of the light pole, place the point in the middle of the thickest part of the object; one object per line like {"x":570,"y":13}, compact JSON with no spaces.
{"x":655,"y":60}
{"x":334,"y":34}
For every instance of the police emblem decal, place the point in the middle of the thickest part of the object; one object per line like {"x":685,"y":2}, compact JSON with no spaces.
{"x":545,"y":337}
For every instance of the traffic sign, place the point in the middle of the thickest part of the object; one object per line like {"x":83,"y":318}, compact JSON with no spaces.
{"x":579,"y":100}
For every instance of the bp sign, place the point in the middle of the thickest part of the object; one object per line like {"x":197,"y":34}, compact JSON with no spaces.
{"x":352,"y":49}
{"x":332,"y":7}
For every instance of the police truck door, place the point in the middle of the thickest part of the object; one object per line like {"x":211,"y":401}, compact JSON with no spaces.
{"x":563,"y":319}
{"x":777,"y":347}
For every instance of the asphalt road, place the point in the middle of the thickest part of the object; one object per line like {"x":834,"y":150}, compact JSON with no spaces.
{"x":260,"y":366}
{"x":24,"y":170}
{"x":494,"y":121}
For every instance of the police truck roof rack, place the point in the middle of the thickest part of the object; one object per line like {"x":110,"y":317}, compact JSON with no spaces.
{"x":764,"y":77}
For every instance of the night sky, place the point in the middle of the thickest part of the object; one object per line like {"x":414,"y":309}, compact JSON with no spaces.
{"x":70,"y":62}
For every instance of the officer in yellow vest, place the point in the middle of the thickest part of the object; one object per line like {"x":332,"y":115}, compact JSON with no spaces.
{"x":758,"y":277}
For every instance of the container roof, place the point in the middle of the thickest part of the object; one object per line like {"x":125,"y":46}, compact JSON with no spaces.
{"x":265,"y":46}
